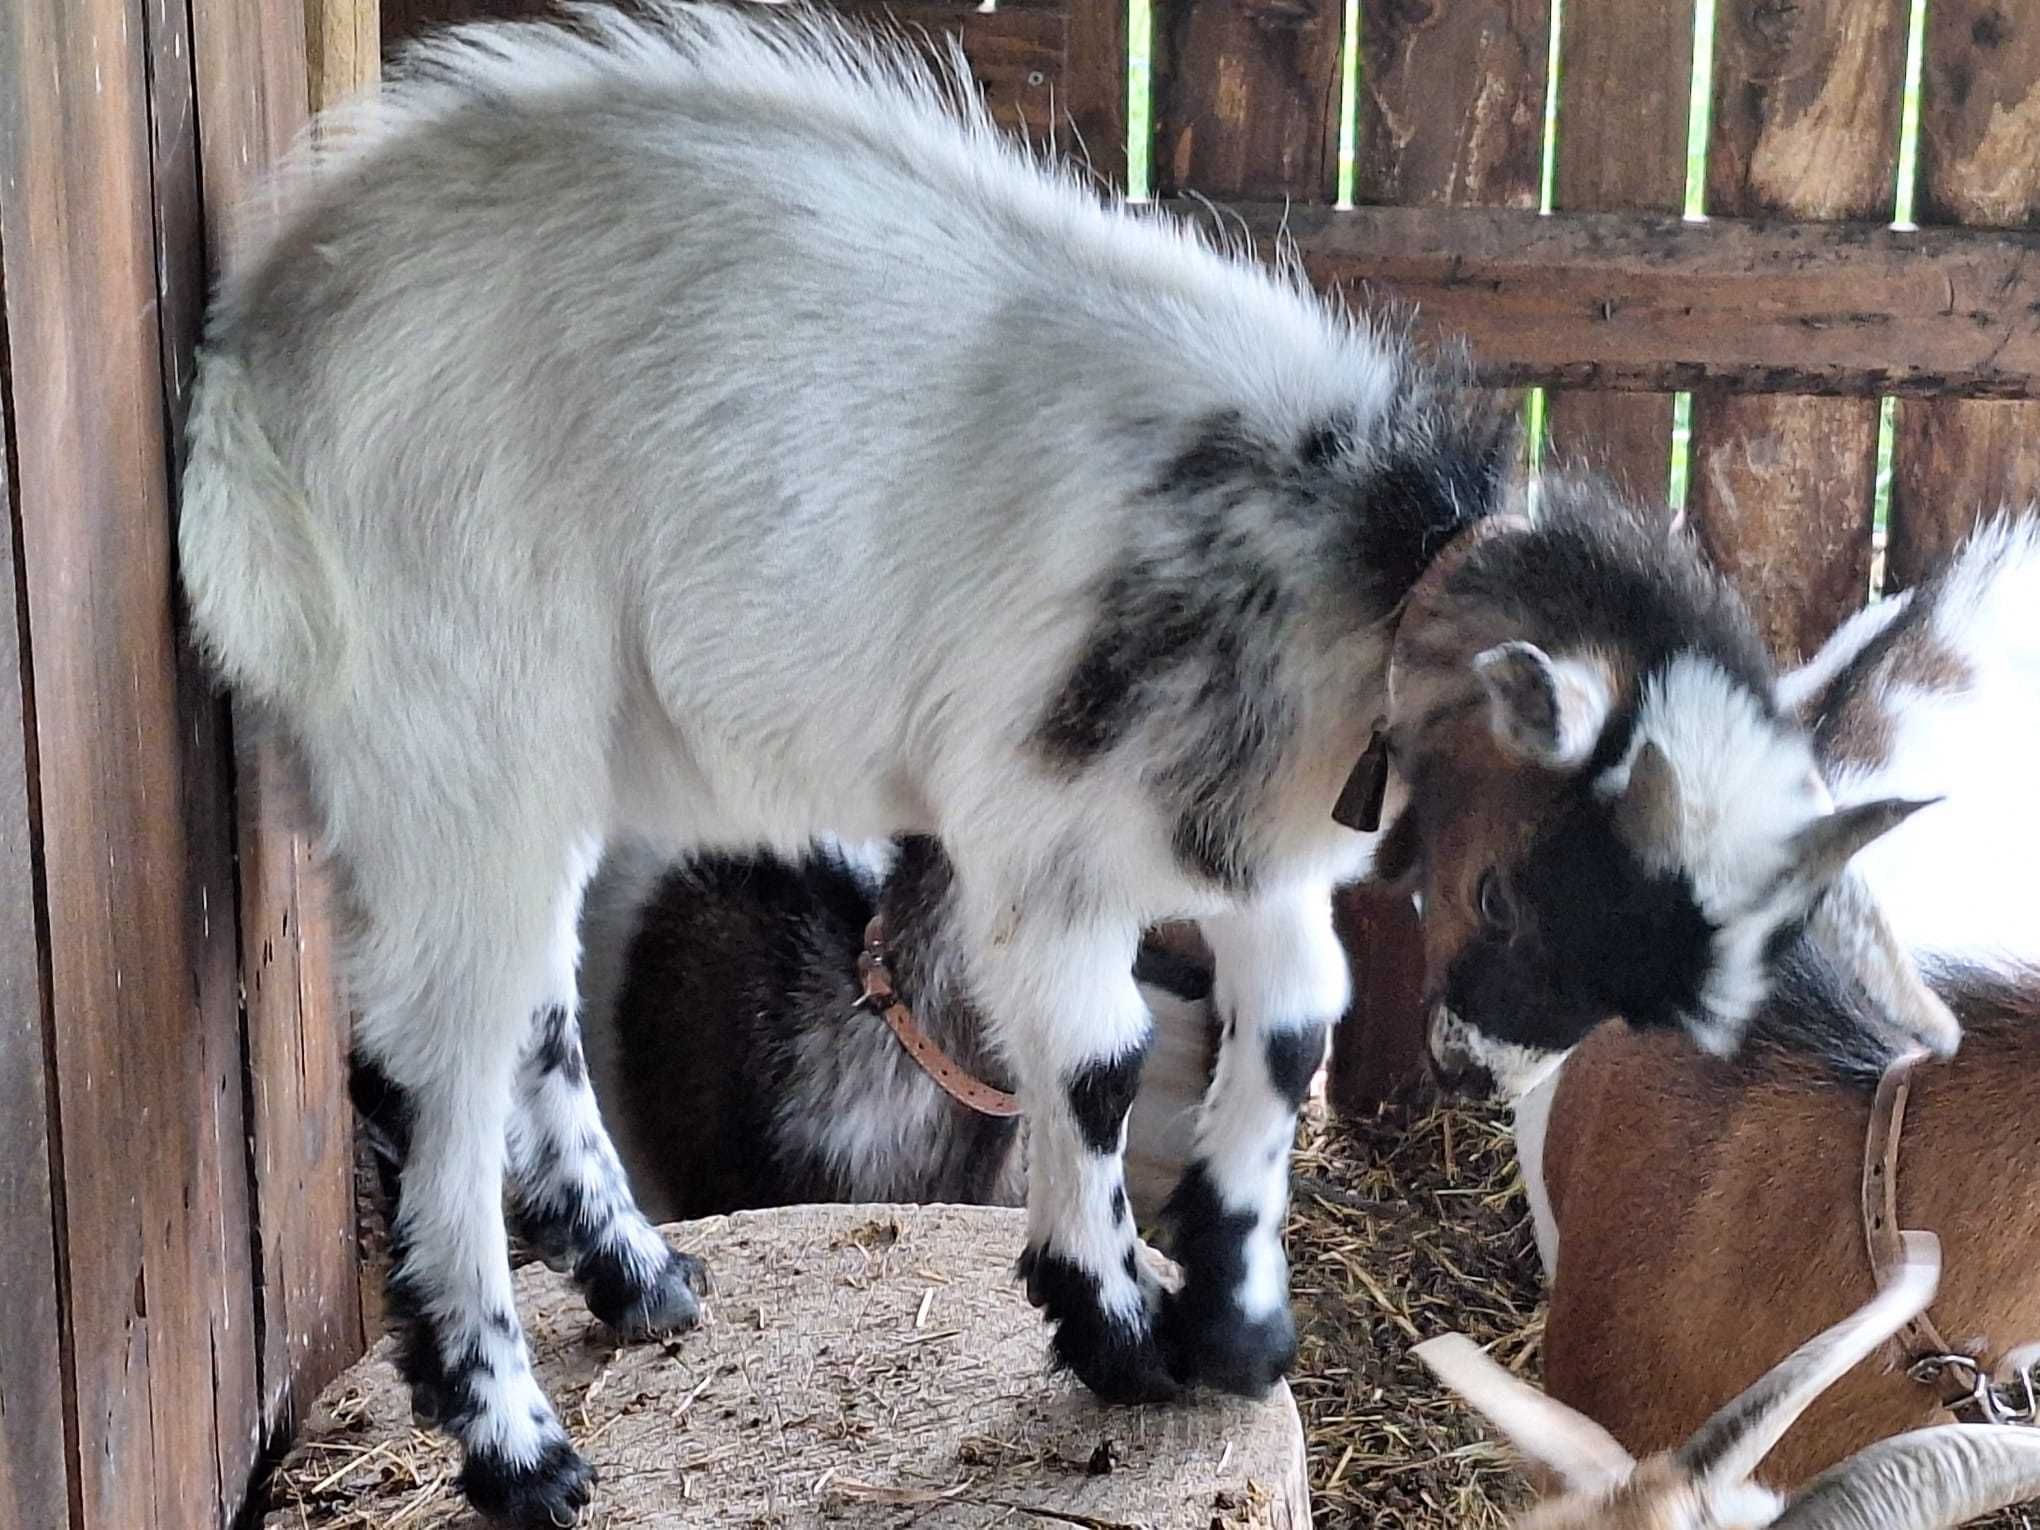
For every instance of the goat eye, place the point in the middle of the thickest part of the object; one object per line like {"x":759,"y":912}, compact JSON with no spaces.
{"x":1495,"y":908}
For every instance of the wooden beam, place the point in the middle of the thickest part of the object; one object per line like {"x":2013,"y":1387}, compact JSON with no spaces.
{"x":1643,"y":301}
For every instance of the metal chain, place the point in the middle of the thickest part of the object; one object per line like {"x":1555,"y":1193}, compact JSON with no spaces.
{"x":2014,"y":1400}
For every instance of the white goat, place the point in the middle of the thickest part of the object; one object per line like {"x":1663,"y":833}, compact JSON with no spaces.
{"x":704,"y":428}
{"x":1926,"y":1480}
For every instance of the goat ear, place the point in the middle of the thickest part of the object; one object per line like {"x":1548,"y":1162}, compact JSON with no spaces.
{"x":1583,"y":1454}
{"x":1647,"y":812}
{"x":1850,"y":927}
{"x":1819,"y":852}
{"x":1397,"y":855}
{"x":1544,"y":710}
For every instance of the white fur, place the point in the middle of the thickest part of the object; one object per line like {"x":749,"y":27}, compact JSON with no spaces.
{"x":1278,"y":967}
{"x":1956,"y":882}
{"x":1745,"y":788}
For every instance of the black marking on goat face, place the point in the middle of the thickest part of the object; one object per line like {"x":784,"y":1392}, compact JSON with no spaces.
{"x":1592,"y":934}
{"x":1293,"y":1058}
{"x":1100,"y":1095}
{"x":558,"y":1046}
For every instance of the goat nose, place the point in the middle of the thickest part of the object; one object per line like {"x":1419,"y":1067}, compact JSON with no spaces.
{"x":1452,"y":1066}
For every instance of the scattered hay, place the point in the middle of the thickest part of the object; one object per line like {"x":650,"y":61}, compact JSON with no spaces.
{"x":1400,"y":1228}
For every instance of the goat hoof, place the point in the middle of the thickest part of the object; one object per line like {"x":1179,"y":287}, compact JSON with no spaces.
{"x":1117,"y":1360}
{"x":638,"y":1309}
{"x":1222,"y":1347}
{"x":546,"y":1494}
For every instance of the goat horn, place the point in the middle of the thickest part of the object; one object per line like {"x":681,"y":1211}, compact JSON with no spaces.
{"x":1927,"y":1480}
{"x":1545,"y":1430}
{"x":1730,"y":1445}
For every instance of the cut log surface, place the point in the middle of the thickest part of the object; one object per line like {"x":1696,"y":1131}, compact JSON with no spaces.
{"x":860,"y":1366}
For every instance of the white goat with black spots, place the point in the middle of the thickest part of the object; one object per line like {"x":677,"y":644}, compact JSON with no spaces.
{"x":706,"y":428}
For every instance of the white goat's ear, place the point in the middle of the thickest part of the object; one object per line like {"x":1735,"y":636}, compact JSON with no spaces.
{"x":1585,"y":1456}
{"x":1544,"y":710}
{"x":1818,"y":853}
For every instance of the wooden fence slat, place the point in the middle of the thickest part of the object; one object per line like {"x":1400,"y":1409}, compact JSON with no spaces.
{"x":252,"y":98}
{"x":216,"y":1236}
{"x":1095,"y":80}
{"x":1450,"y":110}
{"x":1625,"y":81}
{"x":146,"y":1079}
{"x":1979,"y":123}
{"x":34,"y":1467}
{"x":1449,"y":113}
{"x":1806,"y":111}
{"x":1246,"y":98}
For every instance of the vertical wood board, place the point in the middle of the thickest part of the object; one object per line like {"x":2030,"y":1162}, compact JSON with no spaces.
{"x":1806,"y":104}
{"x":1246,"y":99}
{"x":34,"y":1460}
{"x":253,"y":84}
{"x":1979,"y":164}
{"x":1450,"y":113}
{"x":1625,"y":83}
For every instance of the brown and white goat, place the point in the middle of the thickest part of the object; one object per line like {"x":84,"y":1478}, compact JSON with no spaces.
{"x":1928,"y":1479}
{"x":1700,"y":1213}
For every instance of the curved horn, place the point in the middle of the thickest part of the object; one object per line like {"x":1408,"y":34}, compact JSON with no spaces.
{"x":1927,"y":1480}
{"x":1849,"y":924}
{"x":1579,"y":1450}
{"x":1730,"y":1445}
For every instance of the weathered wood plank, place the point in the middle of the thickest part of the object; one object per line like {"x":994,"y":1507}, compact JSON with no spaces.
{"x":1450,"y":113}
{"x":343,"y":48}
{"x":1095,"y":81}
{"x":252,"y":98}
{"x":1016,"y":53}
{"x":1451,"y":102}
{"x":216,"y":1237}
{"x":1806,"y":112}
{"x":1979,"y":122}
{"x":138,"y":1054}
{"x":33,"y":1467}
{"x":1625,"y":79}
{"x":1640,"y":301}
{"x":1246,"y":98}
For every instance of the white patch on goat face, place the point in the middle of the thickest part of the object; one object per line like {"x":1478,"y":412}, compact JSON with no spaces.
{"x":1746,"y":785}
{"x":1512,"y":1069}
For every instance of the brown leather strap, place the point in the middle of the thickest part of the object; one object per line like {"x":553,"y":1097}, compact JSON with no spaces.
{"x":1920,"y":1348}
{"x":879,"y":995}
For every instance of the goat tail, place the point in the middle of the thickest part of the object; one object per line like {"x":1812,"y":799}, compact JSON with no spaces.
{"x":267,"y":590}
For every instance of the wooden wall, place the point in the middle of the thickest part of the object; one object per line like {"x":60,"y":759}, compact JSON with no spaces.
{"x":179,"y":1273}
{"x":178,"y":1266}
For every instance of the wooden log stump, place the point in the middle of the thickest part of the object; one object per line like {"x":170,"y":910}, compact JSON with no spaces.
{"x":860,"y":1366}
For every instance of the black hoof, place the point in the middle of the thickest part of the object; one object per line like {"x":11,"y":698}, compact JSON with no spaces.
{"x":1216,"y":1345}
{"x":635,"y":1309}
{"x":1117,"y":1361}
{"x":550,"y":1492}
